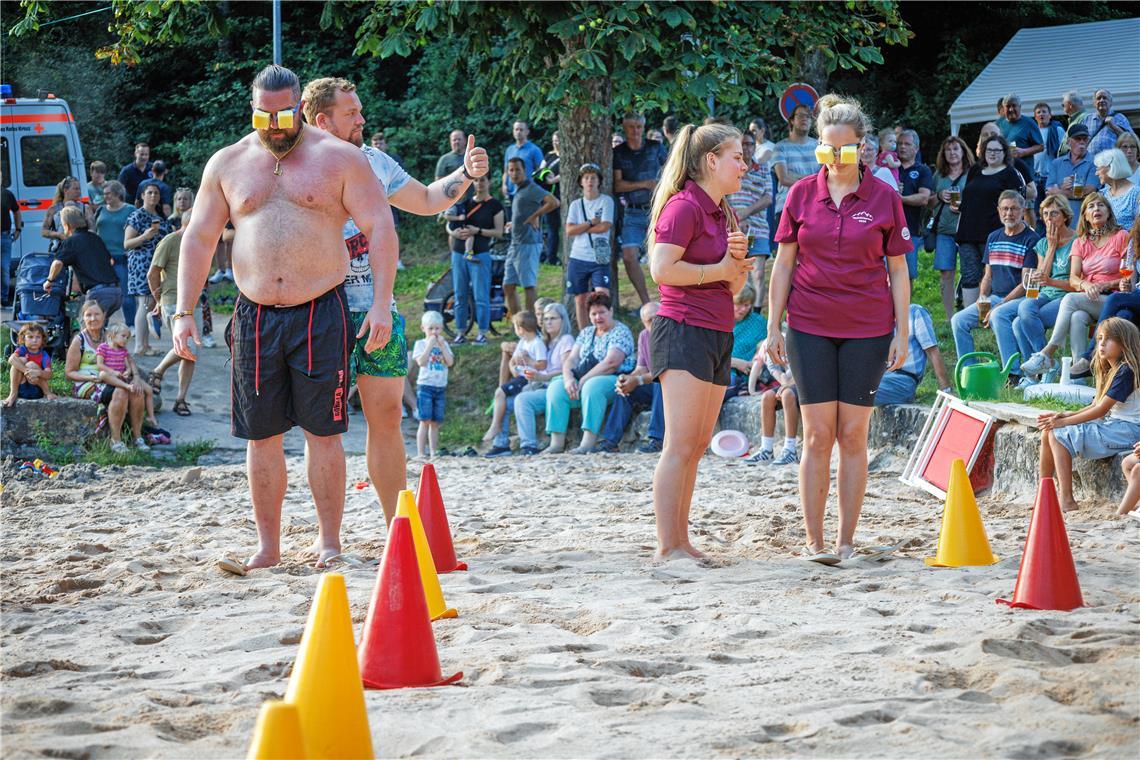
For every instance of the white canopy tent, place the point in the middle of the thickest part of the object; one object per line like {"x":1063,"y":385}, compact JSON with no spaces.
{"x":1029,"y":64}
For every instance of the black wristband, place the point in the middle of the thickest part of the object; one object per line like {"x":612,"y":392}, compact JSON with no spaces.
{"x":465,"y":174}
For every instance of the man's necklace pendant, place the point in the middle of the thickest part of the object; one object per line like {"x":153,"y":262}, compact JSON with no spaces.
{"x":277,"y":169}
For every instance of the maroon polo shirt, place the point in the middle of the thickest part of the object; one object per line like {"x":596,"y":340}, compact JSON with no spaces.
{"x":691,"y":220}
{"x":840,"y":287}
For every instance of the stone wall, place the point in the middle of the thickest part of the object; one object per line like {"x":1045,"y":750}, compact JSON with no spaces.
{"x":65,"y":422}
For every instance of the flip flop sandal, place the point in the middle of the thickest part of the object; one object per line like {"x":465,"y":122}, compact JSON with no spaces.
{"x":181,"y":408}
{"x":154,"y":380}
{"x":232,"y":566}
{"x":822,"y":558}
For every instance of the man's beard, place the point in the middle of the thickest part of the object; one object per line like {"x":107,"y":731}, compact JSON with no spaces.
{"x":278,"y":144}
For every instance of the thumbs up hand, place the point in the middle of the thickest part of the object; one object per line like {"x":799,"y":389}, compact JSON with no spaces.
{"x":474,"y":159}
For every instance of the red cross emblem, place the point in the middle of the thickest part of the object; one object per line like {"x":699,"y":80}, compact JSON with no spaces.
{"x":39,"y":128}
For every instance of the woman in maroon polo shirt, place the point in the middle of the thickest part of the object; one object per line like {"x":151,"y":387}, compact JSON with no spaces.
{"x":836,"y":229}
{"x":698,"y":261}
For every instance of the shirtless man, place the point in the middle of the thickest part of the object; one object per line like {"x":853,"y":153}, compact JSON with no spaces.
{"x":288,"y":189}
{"x":333,"y":105}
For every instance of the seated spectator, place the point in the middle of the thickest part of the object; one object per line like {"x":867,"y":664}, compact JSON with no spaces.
{"x":899,"y":386}
{"x":603,"y":350}
{"x":636,"y":388}
{"x":1129,"y":145}
{"x":1110,"y":425}
{"x":781,"y":392}
{"x":532,"y":401}
{"x":1095,"y":271}
{"x":751,"y":204}
{"x":1034,"y":315}
{"x":530,"y":353}
{"x":1073,"y":175}
{"x":1008,"y":251}
{"x":82,"y":369}
{"x":85,"y":253}
{"x":31,"y":366}
{"x":1131,"y":481}
{"x":748,"y":329}
{"x":118,"y":370}
{"x":1124,"y":304}
{"x":589,"y":230}
{"x":1113,"y":171}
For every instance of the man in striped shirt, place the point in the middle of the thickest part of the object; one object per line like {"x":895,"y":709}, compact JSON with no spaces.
{"x":1008,"y":251}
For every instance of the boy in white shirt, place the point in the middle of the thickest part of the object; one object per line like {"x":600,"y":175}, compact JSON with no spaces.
{"x":433,"y":356}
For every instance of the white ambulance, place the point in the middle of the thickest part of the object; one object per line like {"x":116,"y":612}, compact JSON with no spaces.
{"x":39,"y":146}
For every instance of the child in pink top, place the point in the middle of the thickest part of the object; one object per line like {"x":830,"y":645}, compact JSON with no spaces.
{"x":888,"y":157}
{"x":117,"y":368}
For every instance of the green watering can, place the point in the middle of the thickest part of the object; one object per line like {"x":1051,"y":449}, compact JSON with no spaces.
{"x":984,"y":380}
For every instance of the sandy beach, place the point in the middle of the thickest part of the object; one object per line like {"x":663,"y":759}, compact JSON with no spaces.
{"x":121,"y":639}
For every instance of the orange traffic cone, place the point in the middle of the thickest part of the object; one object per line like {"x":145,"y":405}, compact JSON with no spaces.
{"x":397,"y":646}
{"x":430,"y":503}
{"x":277,"y":735}
{"x":1047,"y":578}
{"x":437,"y":607}
{"x":962,"y":540}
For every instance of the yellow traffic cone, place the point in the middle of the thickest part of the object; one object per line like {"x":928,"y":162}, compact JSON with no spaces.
{"x":277,"y":735}
{"x":325,"y":686}
{"x":963,"y":538}
{"x":437,"y":608}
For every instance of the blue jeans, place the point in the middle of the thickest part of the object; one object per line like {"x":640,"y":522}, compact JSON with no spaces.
{"x":1001,"y":322}
{"x":912,"y":260}
{"x":472,"y":276}
{"x":6,"y":251}
{"x":621,"y":410}
{"x":895,"y":388}
{"x":528,"y":405}
{"x":1033,"y":316}
{"x":945,"y":253}
{"x":964,"y":322}
{"x":120,"y":267}
{"x":1123,"y":305}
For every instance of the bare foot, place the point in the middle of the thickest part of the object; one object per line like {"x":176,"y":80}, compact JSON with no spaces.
{"x":262,"y":559}
{"x":693,"y":551}
{"x":327,"y":555}
{"x":10,"y":402}
{"x":313,"y":551}
{"x":1069,"y":506}
{"x":51,"y":396}
{"x":661,"y":556}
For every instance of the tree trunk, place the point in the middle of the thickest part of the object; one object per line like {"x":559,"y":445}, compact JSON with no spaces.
{"x":813,"y":70}
{"x":584,"y":137}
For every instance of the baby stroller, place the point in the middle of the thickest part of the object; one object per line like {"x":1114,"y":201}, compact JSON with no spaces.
{"x":32,"y":304}
{"x":441,"y":294}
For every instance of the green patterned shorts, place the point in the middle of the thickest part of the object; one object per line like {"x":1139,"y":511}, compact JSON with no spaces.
{"x":389,"y":361}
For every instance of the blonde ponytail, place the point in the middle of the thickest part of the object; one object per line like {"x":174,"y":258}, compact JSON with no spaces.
{"x":686,"y":162}
{"x":838,"y":110}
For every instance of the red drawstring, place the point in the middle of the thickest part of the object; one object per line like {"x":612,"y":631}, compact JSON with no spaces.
{"x":257,"y":353}
{"x":312,"y":304}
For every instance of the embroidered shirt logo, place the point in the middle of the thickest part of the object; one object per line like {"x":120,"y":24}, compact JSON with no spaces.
{"x":863,"y":217}
{"x":905,"y":233}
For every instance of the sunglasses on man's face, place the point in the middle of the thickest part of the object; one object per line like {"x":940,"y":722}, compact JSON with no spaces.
{"x":285,"y":118}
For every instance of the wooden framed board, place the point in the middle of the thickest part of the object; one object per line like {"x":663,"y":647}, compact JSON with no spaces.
{"x":952,"y":431}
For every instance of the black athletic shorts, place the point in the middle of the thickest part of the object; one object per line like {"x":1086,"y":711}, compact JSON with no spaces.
{"x":837,"y":369}
{"x":290,"y":366}
{"x":704,"y":353}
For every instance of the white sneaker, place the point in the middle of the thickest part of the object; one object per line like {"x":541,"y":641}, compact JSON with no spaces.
{"x":1080,"y":366}
{"x":208,"y":341}
{"x":119,"y":447}
{"x":787,"y":456}
{"x":764,"y":456}
{"x":140,"y":444}
{"x":1037,"y":364}
{"x":217,"y":277}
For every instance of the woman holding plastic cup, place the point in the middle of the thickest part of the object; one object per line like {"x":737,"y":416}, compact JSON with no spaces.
{"x":841,"y":273}
{"x":698,"y":259}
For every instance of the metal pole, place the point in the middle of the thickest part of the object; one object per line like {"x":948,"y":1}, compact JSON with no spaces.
{"x":277,"y":32}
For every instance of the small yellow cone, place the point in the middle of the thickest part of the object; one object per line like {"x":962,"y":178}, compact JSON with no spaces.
{"x":963,"y":538}
{"x":437,"y":608}
{"x":325,"y":686}
{"x":277,"y":735}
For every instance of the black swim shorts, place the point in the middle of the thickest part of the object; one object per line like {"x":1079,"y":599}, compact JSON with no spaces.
{"x":290,"y":366}
{"x":847,"y":370}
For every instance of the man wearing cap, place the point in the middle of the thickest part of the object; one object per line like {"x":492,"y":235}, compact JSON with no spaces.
{"x":1074,"y":169}
{"x":1104,"y":124}
{"x":1020,"y":131}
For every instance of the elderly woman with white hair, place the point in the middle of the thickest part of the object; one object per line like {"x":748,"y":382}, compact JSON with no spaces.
{"x":1114,"y":172}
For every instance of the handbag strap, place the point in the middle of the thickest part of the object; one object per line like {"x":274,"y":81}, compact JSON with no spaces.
{"x":585,"y":219}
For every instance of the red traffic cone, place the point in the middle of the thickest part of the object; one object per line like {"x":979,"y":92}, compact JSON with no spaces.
{"x":397,"y":647}
{"x":434,"y":517}
{"x":1047,"y":579}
